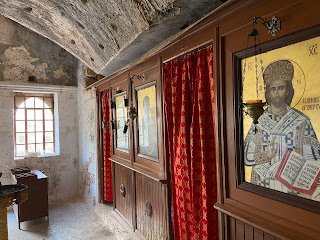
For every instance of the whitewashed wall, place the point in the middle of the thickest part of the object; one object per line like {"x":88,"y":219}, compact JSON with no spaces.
{"x":87,"y":114}
{"x":62,"y":170}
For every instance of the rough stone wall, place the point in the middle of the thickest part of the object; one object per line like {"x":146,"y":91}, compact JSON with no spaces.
{"x":88,"y":160}
{"x":93,"y":30}
{"x":24,"y":53}
{"x":87,"y":116}
{"x":157,"y":11}
{"x":97,"y":31}
{"x":62,"y":170}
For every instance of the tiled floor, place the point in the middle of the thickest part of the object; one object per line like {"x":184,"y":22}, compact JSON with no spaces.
{"x":71,"y":220}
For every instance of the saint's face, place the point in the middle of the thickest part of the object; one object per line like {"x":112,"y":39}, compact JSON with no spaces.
{"x":278,"y":92}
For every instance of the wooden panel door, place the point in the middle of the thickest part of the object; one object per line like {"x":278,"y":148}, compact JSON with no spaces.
{"x":124,"y":193}
{"x":152,"y":208}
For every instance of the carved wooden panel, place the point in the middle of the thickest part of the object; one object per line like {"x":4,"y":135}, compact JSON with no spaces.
{"x":124,"y":192}
{"x":152,"y":208}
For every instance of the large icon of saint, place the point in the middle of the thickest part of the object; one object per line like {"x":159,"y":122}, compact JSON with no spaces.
{"x":284,"y":153}
{"x":149,"y":130}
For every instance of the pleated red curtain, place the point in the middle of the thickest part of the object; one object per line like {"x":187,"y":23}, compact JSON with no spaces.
{"x":107,"y":150}
{"x":189,"y":102}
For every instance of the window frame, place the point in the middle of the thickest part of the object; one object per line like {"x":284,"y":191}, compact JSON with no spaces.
{"x":25,"y":108}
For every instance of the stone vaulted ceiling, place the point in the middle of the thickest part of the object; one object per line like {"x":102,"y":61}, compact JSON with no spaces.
{"x":106,"y":34}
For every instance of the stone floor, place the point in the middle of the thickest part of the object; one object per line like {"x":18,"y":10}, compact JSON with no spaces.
{"x":71,"y":220}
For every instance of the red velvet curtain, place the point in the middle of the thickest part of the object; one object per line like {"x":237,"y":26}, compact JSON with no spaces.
{"x":107,"y":150}
{"x":189,"y":101}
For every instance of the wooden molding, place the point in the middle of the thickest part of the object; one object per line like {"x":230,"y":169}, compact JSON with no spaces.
{"x":273,"y":225}
{"x":149,"y":174}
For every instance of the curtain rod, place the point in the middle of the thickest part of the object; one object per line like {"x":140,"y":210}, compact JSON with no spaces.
{"x":194,"y":52}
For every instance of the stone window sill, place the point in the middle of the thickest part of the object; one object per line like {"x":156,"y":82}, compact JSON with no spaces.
{"x":39,"y":156}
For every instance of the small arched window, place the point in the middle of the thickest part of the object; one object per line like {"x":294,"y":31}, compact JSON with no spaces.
{"x":33,"y":124}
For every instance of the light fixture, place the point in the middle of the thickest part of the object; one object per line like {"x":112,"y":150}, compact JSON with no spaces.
{"x":140,"y":77}
{"x":273,"y":25}
{"x":132,"y":111}
{"x":255,"y":108}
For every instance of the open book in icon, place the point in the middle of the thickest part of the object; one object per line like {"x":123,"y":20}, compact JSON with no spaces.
{"x":297,"y":173}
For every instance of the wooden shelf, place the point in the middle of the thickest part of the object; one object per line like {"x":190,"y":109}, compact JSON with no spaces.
{"x":127,"y":164}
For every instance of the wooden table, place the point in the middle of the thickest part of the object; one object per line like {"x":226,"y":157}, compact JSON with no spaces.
{"x":37,"y":204}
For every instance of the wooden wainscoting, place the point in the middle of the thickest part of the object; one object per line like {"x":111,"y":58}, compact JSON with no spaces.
{"x":156,"y":225}
{"x":239,"y":230}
